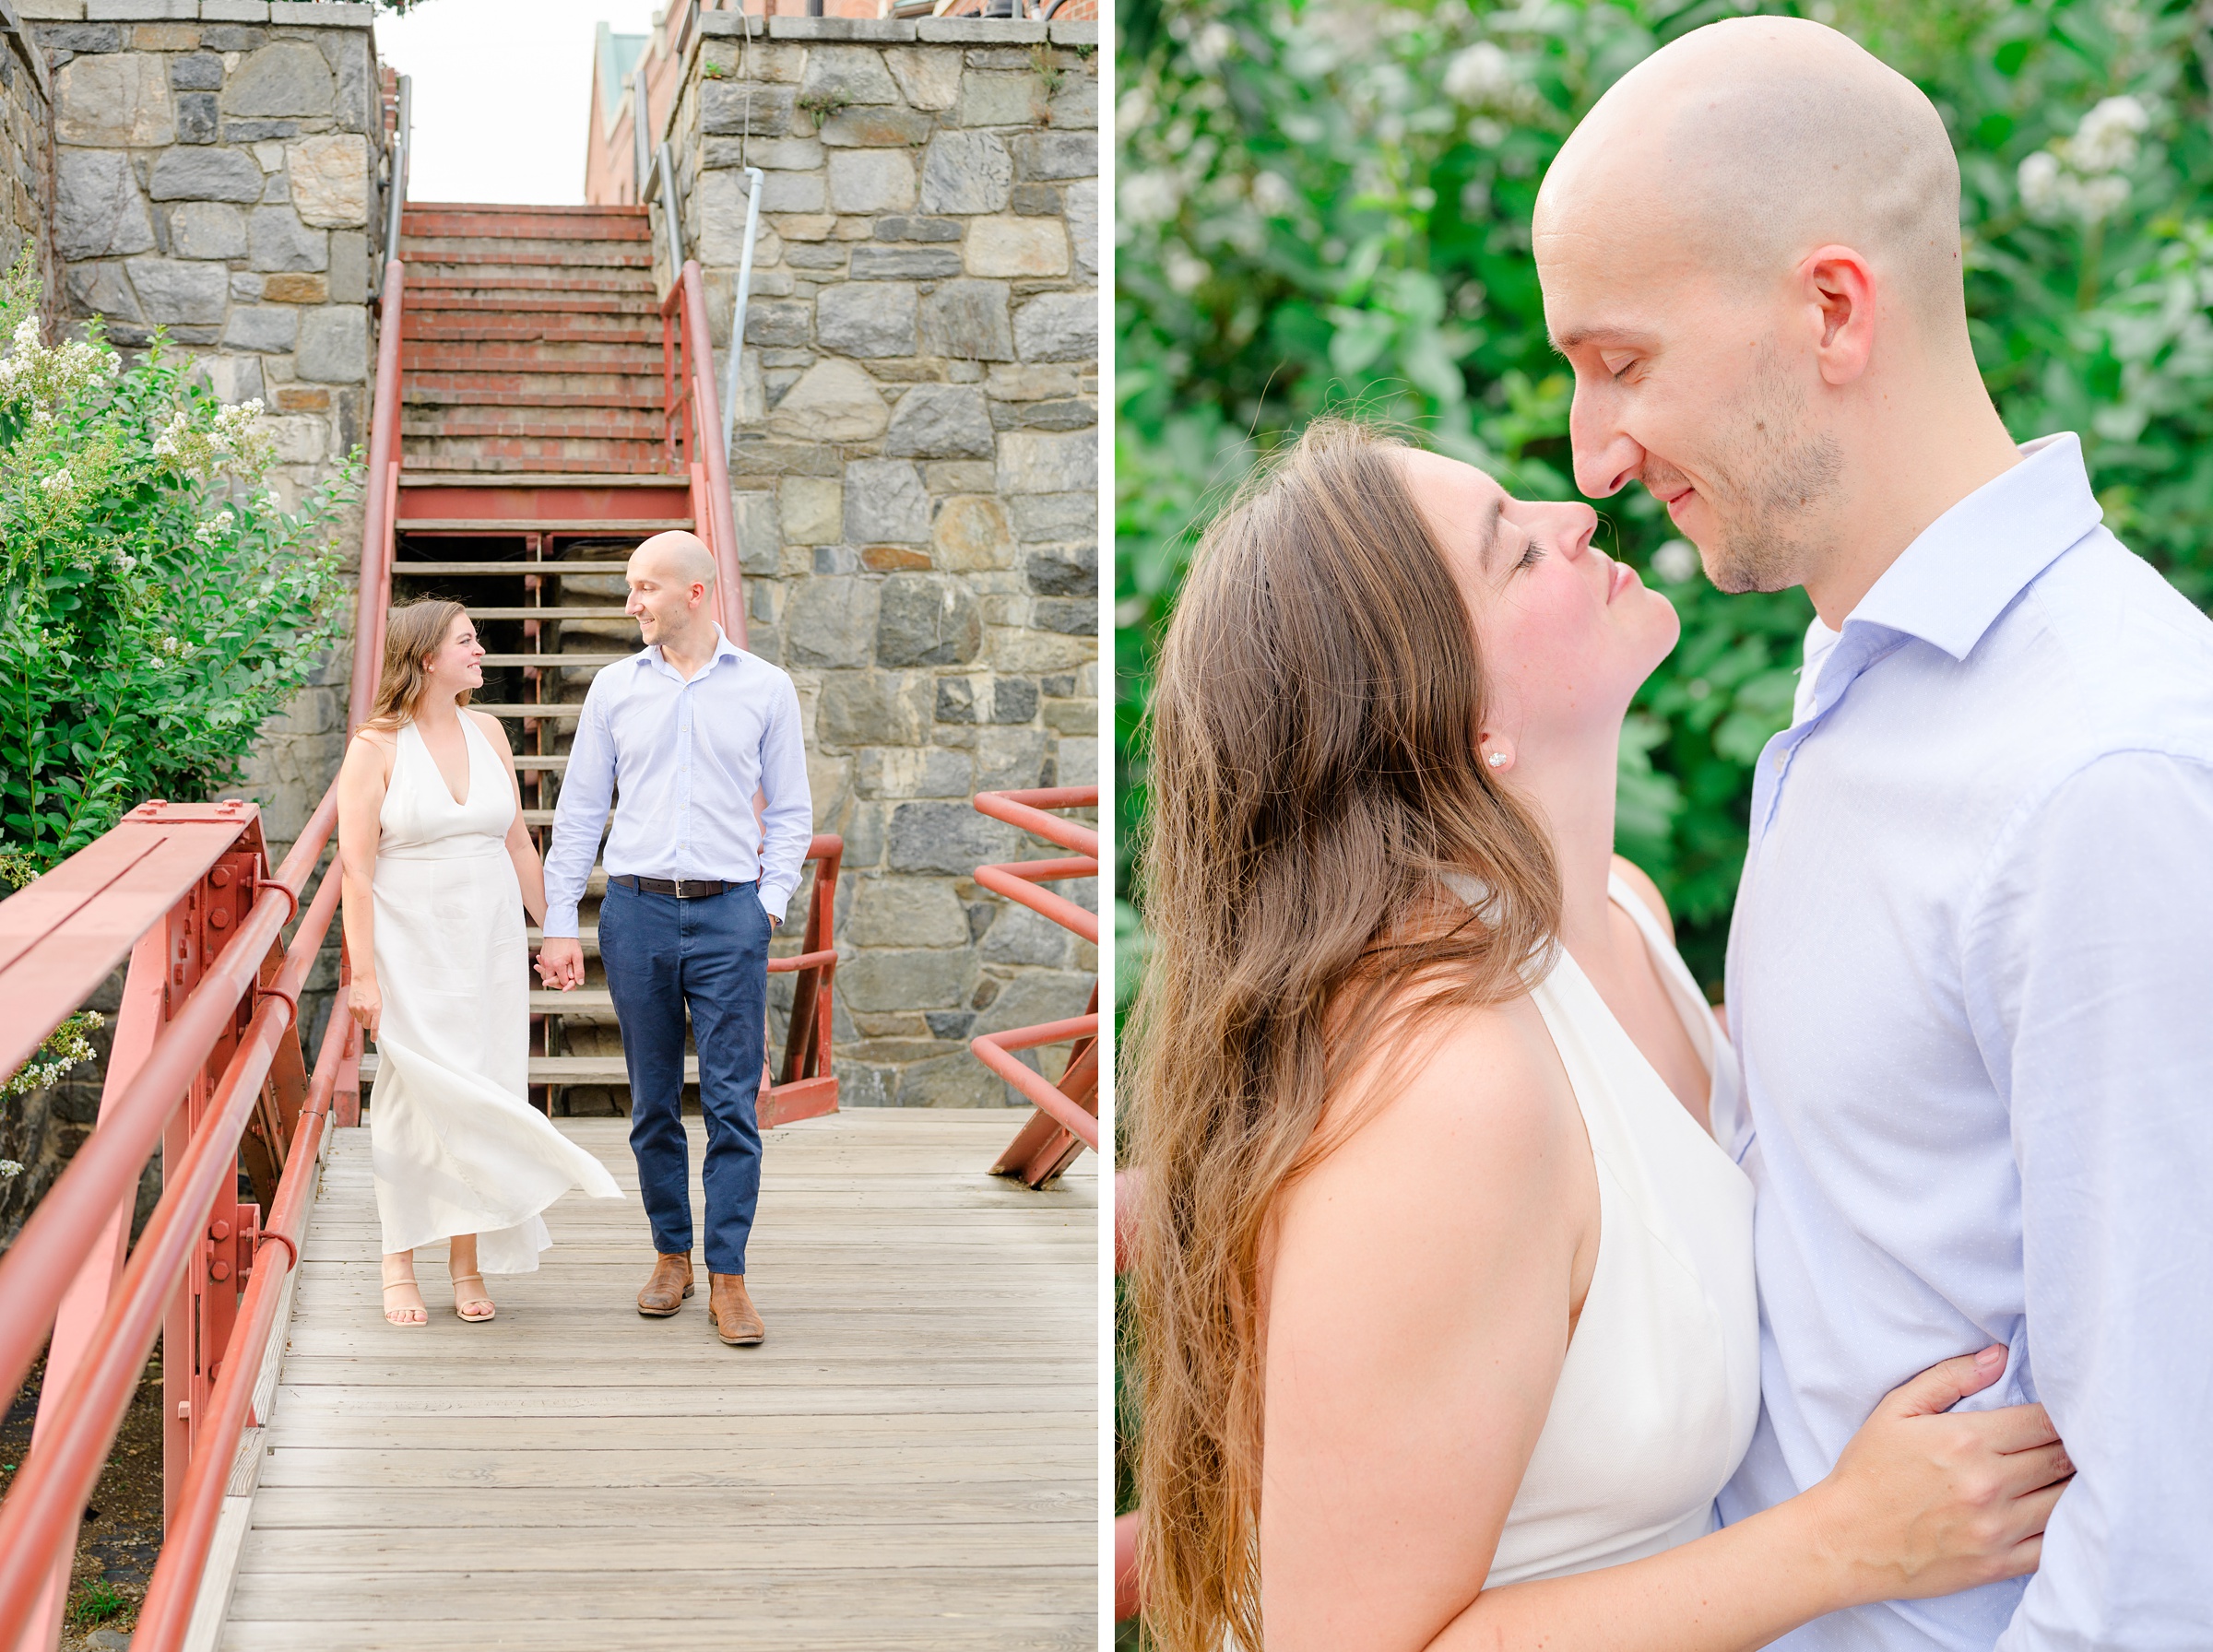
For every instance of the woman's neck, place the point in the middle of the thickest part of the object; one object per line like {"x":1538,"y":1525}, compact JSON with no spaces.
{"x":1572,"y":791}
{"x":437,"y":709}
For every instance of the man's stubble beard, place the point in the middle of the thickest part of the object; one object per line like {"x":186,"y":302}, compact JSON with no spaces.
{"x":1772,"y":532}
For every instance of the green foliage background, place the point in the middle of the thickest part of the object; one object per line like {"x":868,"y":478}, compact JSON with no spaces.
{"x":1327,"y":203}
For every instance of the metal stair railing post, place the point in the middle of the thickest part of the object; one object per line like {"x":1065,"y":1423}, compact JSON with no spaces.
{"x":806,"y":1087}
{"x":1067,"y":1117}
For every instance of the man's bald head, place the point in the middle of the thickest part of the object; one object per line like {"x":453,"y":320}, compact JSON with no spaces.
{"x":1750,"y":143}
{"x":677,"y":558}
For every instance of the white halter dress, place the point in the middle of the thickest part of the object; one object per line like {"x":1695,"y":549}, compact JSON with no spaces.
{"x":1660,"y":1391}
{"x":456,"y":1145}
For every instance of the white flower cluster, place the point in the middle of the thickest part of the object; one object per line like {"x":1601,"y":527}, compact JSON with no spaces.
{"x":31,"y":373}
{"x":10,"y":1169}
{"x":214,"y":528}
{"x":2080,"y":177}
{"x":64,"y":1048}
{"x":238,"y":442}
{"x":170,"y":651}
{"x":1480,"y":76}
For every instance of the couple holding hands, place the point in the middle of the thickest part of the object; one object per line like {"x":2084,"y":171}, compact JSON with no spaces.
{"x":439,"y":871}
{"x":1493,"y":1291}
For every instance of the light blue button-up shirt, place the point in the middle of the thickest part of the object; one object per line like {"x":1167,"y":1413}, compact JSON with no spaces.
{"x":1970,"y":981}
{"x":687,"y":758}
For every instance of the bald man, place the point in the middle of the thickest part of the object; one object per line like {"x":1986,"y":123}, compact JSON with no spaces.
{"x":683,"y":736}
{"x":1970,"y":970}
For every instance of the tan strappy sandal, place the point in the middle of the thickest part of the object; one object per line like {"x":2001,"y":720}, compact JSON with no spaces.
{"x":462,"y":1302}
{"x":417,"y":1306}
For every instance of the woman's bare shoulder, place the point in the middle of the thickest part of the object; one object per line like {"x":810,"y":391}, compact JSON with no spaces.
{"x":1474,"y":1104}
{"x":1646,"y":891}
{"x":495,"y":730}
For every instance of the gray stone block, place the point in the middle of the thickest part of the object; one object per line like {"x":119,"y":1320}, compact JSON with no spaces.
{"x":141,"y":11}
{"x":228,"y":36}
{"x":263,"y":327}
{"x":176,"y":292}
{"x":247,"y":288}
{"x":1081,"y":203}
{"x":323,"y":14}
{"x":98,"y":210}
{"x":1058,"y":326}
{"x":1032,"y":999}
{"x":966,"y":172}
{"x":947,"y":838}
{"x":206,"y":229}
{"x":790,"y":192}
{"x":846,"y":75}
{"x":116,"y":100}
{"x":777,"y":322}
{"x":885,"y":503}
{"x":905,"y":912}
{"x":1048,"y":461}
{"x":100,"y":290}
{"x":257,"y":132}
{"x":196,"y":119}
{"x":831,"y":623}
{"x":918,"y":229}
{"x":1058,"y":154}
{"x":928,"y":620}
{"x":873,"y":262}
{"x":1054,"y":515}
{"x":282,"y":243}
{"x":1010,"y":760}
{"x":923,"y":978}
{"x":867,"y":182}
{"x":1075,"y":414}
{"x":206,"y":174}
{"x":928,"y":80}
{"x":877,"y":126}
{"x":1020,"y":935}
{"x":284,"y":78}
{"x":1070,"y":616}
{"x":979,"y":32}
{"x":967,"y":319}
{"x":956,"y":1080}
{"x":1034,"y":200}
{"x":236,"y":379}
{"x":835,"y":400}
{"x":1063,"y":570}
{"x":882,"y":30}
{"x":941,"y":421}
{"x":877,"y":319}
{"x":79,"y":37}
{"x":233,"y":11}
{"x":815,"y":255}
{"x":197,"y":72}
{"x":771,"y":154}
{"x":905,"y":771}
{"x":872,"y":708}
{"x":334,"y":345}
{"x":348,"y":266}
{"x":1084,"y":34}
{"x":988,"y":98}
{"x":726,"y":107}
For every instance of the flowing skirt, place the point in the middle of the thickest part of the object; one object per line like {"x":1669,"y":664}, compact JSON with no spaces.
{"x":456,"y":1145}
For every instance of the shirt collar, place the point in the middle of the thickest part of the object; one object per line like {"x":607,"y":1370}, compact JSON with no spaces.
{"x":724,"y":649}
{"x":1966,"y":567}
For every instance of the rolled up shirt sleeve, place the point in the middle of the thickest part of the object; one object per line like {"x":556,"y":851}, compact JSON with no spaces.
{"x":788,"y":820}
{"x":587,"y":788}
{"x":2091,"y":954}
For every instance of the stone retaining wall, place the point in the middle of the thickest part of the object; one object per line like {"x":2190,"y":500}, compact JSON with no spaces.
{"x":26,"y":150}
{"x":917,"y":478}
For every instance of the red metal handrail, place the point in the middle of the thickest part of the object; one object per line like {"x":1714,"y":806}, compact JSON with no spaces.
{"x":1067,"y":1119}
{"x":185,"y":890}
{"x":693,"y":435}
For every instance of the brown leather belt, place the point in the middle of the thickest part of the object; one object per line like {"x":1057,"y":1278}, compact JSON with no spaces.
{"x":683,"y":888}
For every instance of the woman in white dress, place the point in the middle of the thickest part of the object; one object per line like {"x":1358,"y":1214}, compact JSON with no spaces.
{"x":1447,"y":1330}
{"x":439,"y":871}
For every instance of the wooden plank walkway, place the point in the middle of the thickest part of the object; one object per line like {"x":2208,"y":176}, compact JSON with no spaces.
{"x":909,"y":1461}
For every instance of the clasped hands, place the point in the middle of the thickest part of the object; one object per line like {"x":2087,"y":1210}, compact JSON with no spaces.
{"x":561,"y":959}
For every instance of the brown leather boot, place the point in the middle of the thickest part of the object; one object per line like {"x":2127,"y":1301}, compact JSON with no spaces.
{"x":665,"y":1290}
{"x":732,"y":1312}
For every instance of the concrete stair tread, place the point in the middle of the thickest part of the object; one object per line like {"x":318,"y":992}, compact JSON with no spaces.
{"x":428,"y":478}
{"x":583,"y":1000}
{"x":637,"y":458}
{"x":635,"y":429}
{"x":488,"y":357}
{"x":418,"y":398}
{"x":568,"y":527}
{"x":566,"y":662}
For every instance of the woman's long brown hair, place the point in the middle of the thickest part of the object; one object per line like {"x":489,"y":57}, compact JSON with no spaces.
{"x":1314,"y":772}
{"x":411,"y":635}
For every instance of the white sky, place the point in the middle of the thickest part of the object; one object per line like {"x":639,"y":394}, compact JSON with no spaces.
{"x":503,"y":92}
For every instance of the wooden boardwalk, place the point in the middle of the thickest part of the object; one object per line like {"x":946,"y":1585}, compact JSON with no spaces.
{"x":910,"y":1461}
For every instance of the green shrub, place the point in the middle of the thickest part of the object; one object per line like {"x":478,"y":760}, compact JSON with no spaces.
{"x":1325,"y":205}
{"x":154,"y":608}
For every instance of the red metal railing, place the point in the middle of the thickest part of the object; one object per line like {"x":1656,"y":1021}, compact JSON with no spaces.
{"x":693,"y":432}
{"x":1067,"y":1117}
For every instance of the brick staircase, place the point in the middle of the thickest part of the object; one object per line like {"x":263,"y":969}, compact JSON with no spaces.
{"x":532,"y":340}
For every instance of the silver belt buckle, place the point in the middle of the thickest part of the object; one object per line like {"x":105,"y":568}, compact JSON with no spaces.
{"x":679,"y":888}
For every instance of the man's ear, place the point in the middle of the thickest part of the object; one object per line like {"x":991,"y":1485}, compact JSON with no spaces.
{"x":1839,"y":293}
